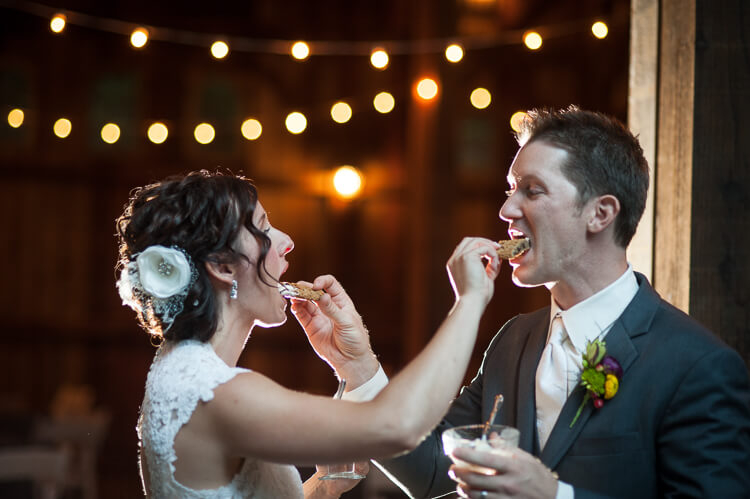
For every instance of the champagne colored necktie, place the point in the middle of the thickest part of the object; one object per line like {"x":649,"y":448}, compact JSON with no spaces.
{"x":551,"y":381}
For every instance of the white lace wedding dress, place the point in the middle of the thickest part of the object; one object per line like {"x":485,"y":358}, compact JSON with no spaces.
{"x":182,"y":374}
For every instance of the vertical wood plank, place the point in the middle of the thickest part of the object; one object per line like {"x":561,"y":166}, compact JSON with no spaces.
{"x":675,"y":152}
{"x":642,"y":106}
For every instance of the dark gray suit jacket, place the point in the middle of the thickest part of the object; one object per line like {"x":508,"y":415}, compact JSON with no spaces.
{"x":679,"y":425}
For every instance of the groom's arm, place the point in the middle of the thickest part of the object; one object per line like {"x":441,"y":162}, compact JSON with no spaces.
{"x":423,"y":472}
{"x":704,"y":438}
{"x":415,"y":472}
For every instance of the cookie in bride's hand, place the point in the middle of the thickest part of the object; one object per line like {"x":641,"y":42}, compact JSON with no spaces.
{"x":293,"y":290}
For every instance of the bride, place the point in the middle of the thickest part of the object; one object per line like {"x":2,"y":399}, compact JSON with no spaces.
{"x":200,"y":263}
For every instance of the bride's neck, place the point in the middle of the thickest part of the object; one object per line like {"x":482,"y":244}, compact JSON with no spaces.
{"x":230,"y":337}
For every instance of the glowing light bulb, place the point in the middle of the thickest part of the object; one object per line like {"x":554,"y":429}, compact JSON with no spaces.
{"x":139,"y":37}
{"x":251,"y":129}
{"x":599,"y":29}
{"x":347,"y":181}
{"x":379,"y":58}
{"x":57,"y":23}
{"x":480,"y":98}
{"x":384,"y":102}
{"x":219,"y":49}
{"x":427,"y":88}
{"x":15,"y":118}
{"x":341,"y":112}
{"x":454,"y":52}
{"x":157,"y":132}
{"x":533,"y":40}
{"x":110,"y":133}
{"x":300,"y":51}
{"x":516,"y":120}
{"x":62,"y":127}
{"x":204,"y":133}
{"x":296,"y":122}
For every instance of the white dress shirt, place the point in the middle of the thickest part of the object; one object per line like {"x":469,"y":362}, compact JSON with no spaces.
{"x":586,"y":321}
{"x":591,"y":319}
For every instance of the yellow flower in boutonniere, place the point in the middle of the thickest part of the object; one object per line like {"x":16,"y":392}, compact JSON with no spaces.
{"x":610,"y":386}
{"x":600,"y":376}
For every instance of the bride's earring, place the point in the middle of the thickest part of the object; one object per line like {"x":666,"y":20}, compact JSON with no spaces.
{"x":233,"y":291}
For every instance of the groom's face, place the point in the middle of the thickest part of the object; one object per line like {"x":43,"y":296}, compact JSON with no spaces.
{"x":543,"y":205}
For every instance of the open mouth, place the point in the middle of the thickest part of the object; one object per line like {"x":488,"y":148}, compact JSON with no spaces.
{"x":516,"y":235}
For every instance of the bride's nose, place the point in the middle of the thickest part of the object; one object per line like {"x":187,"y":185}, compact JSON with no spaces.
{"x":288,"y":245}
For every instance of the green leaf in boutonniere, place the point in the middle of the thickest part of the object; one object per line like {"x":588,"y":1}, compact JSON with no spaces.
{"x":600,"y":376}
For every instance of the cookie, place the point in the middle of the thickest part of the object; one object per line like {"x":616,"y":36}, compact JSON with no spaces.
{"x":292,"y":290}
{"x":513,"y":247}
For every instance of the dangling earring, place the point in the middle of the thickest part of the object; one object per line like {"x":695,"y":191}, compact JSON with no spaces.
{"x":233,"y":291}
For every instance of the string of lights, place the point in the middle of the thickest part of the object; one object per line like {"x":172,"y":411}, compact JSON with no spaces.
{"x":251,"y":128}
{"x":379,"y":52}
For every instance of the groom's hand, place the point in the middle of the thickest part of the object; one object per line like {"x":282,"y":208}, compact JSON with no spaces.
{"x":336,"y":332}
{"x":518,"y":474}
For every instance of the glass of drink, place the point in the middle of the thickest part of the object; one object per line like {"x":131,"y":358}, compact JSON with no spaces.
{"x":498,"y":439}
{"x":344,"y":470}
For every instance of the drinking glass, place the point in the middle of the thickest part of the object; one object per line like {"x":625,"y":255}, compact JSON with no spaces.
{"x":498,"y":439}
{"x":343,"y":470}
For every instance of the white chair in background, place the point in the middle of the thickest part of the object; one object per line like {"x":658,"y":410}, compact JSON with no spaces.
{"x":81,"y":437}
{"x":46,"y":468}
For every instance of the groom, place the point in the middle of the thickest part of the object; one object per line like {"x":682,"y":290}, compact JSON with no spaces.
{"x":679,"y":425}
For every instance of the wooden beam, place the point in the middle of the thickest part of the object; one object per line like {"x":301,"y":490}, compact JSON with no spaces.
{"x":675,"y":152}
{"x":642,"y":106}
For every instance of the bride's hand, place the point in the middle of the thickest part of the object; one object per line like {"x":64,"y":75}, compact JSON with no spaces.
{"x":319,"y":489}
{"x":336,"y":332}
{"x":473,"y":268}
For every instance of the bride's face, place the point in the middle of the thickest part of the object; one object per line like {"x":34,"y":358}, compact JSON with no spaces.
{"x":262,"y":299}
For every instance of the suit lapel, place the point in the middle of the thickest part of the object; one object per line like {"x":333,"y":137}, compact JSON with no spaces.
{"x":526,"y":408}
{"x":562,"y":436}
{"x":634,"y":321}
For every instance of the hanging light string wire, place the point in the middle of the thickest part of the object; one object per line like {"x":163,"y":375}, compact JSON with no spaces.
{"x":281,"y":47}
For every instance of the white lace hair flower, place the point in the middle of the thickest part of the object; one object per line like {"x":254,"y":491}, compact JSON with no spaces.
{"x":156,"y":281}
{"x":164,"y":271}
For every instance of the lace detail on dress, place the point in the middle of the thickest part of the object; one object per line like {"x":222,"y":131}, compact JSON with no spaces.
{"x":181,"y":375}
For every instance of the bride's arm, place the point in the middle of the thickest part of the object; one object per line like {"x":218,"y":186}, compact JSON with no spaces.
{"x":257,"y":417}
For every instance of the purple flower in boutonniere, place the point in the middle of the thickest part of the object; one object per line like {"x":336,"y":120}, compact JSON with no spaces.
{"x":600,"y":376}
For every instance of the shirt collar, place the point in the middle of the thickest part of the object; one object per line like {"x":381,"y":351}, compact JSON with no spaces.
{"x":594,"y":316}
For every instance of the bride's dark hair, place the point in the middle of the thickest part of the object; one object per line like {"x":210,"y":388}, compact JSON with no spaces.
{"x":203,"y":213}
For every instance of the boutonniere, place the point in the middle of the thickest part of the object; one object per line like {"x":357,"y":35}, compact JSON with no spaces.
{"x":600,"y":376}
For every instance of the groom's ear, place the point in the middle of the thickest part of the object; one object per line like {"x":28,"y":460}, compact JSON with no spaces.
{"x":223,"y":272}
{"x":604,"y":210}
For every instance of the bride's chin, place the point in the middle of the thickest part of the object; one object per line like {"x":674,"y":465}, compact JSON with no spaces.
{"x":271,"y":323}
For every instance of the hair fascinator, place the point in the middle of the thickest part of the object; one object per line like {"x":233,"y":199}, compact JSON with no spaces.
{"x":155,"y":283}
